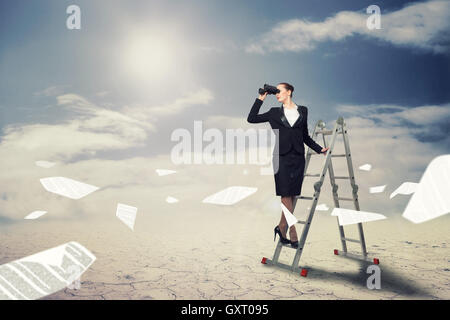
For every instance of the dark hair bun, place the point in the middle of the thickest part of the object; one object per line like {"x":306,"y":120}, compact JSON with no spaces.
{"x":288,"y":87}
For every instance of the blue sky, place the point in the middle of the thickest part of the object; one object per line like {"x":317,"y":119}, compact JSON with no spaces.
{"x":137,"y":70}
{"x":38,"y":52}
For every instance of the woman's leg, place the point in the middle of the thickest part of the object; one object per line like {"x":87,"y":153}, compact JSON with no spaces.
{"x":288,"y":203}
{"x":292,"y":230}
{"x":283,"y":223}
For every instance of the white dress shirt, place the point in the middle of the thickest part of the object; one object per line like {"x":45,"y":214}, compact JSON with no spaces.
{"x":291,"y":115}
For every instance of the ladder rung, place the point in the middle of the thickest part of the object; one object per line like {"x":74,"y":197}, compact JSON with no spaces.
{"x":337,"y":155}
{"x":341,"y":177}
{"x":324,"y":132}
{"x":306,"y":198}
{"x":346,"y":199}
{"x":351,"y":240}
{"x":288,"y":246}
{"x":312,"y":175}
{"x":301,"y":222}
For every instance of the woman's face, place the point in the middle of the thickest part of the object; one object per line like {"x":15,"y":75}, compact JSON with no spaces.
{"x":283,"y":94}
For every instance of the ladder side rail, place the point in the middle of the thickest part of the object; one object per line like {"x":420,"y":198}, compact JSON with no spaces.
{"x":317,"y":187}
{"x":353,"y":183}
{"x":334,"y":187}
{"x":277,"y":252}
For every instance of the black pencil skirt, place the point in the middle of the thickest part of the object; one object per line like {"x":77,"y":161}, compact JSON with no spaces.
{"x":289,"y":176}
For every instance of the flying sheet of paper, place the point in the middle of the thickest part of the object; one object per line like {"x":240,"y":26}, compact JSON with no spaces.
{"x":377,"y":189}
{"x":230,"y":195}
{"x":44,"y":273}
{"x":431,"y":198}
{"x":290,"y":218}
{"x":171,"y":200}
{"x":365,"y":167}
{"x":127,"y":214}
{"x":322,"y":207}
{"x":35,"y":215}
{"x":67,"y":187}
{"x":405,"y":188}
{"x":348,"y":216}
{"x":163,"y":172}
{"x":45,"y":164}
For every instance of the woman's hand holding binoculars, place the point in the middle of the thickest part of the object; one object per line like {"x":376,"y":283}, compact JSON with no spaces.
{"x":263,"y":96}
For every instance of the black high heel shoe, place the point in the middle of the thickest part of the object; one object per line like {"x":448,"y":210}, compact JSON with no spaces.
{"x":282,"y":239}
{"x":294,"y":244}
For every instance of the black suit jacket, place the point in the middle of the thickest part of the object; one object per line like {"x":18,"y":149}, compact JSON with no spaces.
{"x":288,"y":137}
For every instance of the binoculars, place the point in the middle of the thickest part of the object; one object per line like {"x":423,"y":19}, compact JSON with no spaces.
{"x":269,"y":89}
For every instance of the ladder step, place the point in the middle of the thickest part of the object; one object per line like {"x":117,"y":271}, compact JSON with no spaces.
{"x":337,"y":155}
{"x":306,"y":198}
{"x":312,"y":175}
{"x":346,"y":199}
{"x":351,"y":240}
{"x":333,"y":155}
{"x":341,"y":177}
{"x":288,"y":246}
{"x":301,"y":222}
{"x":324,"y":132}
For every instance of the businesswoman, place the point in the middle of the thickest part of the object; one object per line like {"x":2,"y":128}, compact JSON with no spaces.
{"x":289,"y":122}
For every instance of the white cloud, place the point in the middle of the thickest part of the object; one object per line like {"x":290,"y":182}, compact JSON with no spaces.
{"x":425,"y":115}
{"x":93,"y":128}
{"x":200,"y":97}
{"x":426,"y":123}
{"x":421,"y":24}
{"x":89,"y":129}
{"x":52,"y":91}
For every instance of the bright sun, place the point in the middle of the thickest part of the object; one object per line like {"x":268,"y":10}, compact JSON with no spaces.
{"x":149,"y":56}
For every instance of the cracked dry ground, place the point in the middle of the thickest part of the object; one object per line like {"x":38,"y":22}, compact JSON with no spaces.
{"x":186,"y":256}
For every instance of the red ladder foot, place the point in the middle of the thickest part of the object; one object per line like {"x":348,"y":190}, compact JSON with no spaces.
{"x":376,"y":261}
{"x":336,"y":252}
{"x":304,"y":273}
{"x":263,"y":261}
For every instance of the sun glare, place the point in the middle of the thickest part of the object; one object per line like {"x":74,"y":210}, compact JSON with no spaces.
{"x":149,"y":56}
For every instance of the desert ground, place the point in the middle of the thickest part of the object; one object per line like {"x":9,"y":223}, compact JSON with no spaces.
{"x":182,"y":254}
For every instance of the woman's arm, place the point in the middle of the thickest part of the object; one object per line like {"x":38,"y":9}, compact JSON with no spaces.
{"x":307,"y":139}
{"x":254,"y":117}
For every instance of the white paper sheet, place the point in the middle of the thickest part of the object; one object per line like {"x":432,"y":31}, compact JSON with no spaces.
{"x":431,"y":198}
{"x":230,"y":195}
{"x":164,"y":172}
{"x":365,"y":167}
{"x":35,"y":215}
{"x":45,"y":164}
{"x":290,"y":218}
{"x":405,"y":188}
{"x":322,"y":207}
{"x":67,"y":187}
{"x":44,"y":273}
{"x":377,"y":189}
{"x":171,"y":200}
{"x":127,"y":214}
{"x":348,"y":216}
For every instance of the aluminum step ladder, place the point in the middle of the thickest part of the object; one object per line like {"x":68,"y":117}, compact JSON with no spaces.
{"x":339,"y":128}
